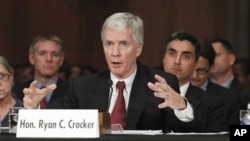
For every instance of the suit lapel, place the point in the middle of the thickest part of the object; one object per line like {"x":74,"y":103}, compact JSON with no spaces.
{"x":193,"y":96}
{"x":100,"y":95}
{"x":60,"y":91}
{"x":138,"y":97}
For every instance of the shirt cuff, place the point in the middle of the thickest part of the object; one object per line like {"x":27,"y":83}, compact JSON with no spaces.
{"x":185,"y":115}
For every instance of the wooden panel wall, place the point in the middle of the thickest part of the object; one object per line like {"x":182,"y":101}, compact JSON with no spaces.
{"x":78,"y":23}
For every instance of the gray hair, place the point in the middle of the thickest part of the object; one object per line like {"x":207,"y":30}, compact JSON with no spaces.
{"x":46,"y":37}
{"x":125,"y":20}
{"x":6,"y":65}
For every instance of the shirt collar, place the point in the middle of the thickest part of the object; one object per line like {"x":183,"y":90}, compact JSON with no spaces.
{"x":128,"y":81}
{"x":226,"y":84}
{"x":184,"y":88}
{"x":204,"y":86}
{"x":54,"y":81}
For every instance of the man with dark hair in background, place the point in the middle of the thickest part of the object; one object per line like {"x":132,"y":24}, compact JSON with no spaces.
{"x":180,"y":57}
{"x":222,"y":71}
{"x":200,"y":78}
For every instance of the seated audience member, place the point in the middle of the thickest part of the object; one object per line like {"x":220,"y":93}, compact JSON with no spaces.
{"x":147,"y":96}
{"x":200,"y":78}
{"x":46,"y":54}
{"x":7,"y":98}
{"x":64,"y":71}
{"x":76,"y":70}
{"x":88,"y":69}
{"x":221,"y":71}
{"x":180,"y":58}
{"x":241,"y":70}
{"x":23,"y":73}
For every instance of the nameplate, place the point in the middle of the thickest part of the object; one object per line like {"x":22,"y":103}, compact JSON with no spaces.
{"x":48,"y":123}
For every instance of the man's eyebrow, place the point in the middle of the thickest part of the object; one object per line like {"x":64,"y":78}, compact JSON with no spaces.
{"x":186,"y":52}
{"x":171,"y":49}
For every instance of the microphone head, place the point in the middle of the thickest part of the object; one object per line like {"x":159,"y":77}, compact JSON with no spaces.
{"x":110,"y":82}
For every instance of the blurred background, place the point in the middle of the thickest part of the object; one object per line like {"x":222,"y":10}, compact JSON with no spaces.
{"x":78,"y":23}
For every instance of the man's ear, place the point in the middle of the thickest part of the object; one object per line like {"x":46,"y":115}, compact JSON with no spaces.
{"x":62,"y":59}
{"x":232,"y":59}
{"x":31,"y":59}
{"x":139,"y":50}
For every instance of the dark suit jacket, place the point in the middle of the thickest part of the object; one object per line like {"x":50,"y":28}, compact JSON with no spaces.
{"x":209,"y":110}
{"x":92,"y":92}
{"x":240,"y":89}
{"x":232,"y":102}
{"x":60,"y":91}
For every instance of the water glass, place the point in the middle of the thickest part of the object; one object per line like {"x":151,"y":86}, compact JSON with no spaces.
{"x":13,"y":118}
{"x":245,"y":117}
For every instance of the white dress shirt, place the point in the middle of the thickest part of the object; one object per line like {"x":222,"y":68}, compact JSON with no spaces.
{"x":128,"y":85}
{"x":186,"y":114}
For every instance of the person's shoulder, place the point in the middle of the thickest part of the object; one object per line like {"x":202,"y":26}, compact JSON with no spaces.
{"x":213,"y":87}
{"x":237,"y":85}
{"x":18,"y":87}
{"x":152,"y":71}
{"x":19,"y":103}
{"x":197,"y":90}
{"x":92,"y":78}
{"x":60,"y":82}
{"x":26,"y":83}
{"x":211,"y":96}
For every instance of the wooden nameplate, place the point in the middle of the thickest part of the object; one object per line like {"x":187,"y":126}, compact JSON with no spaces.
{"x":104,"y":123}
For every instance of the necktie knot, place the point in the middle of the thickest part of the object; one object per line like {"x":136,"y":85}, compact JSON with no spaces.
{"x":120,"y":85}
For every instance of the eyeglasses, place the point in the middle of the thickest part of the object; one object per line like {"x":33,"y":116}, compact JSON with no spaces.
{"x":202,"y":71}
{"x":4,"y":76}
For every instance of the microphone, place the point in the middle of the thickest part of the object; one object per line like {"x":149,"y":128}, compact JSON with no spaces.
{"x":110,"y":83}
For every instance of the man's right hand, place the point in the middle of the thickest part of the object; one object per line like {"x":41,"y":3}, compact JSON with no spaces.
{"x":33,"y":95}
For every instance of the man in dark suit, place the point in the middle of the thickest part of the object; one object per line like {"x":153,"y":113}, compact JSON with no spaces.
{"x":180,"y":57}
{"x":222,"y":71}
{"x":46,"y":54}
{"x":200,"y":78}
{"x":149,"y":102}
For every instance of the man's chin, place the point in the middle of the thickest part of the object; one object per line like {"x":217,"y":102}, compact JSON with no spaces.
{"x":195,"y":83}
{"x":48,"y":76}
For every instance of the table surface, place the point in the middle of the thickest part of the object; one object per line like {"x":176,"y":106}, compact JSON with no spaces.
{"x":112,"y":137}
